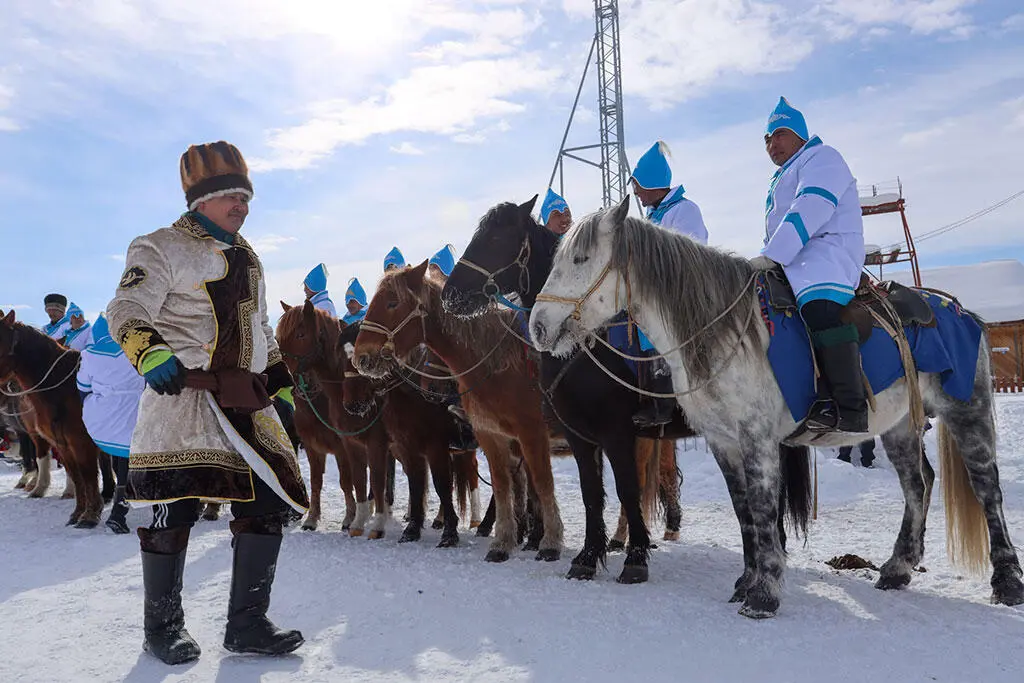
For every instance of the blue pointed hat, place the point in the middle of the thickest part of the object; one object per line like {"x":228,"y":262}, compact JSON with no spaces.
{"x":552,"y":202}
{"x":317,"y":279}
{"x":102,"y":342}
{"x":444,"y":259}
{"x":394,"y":258}
{"x":785,"y":116}
{"x":652,"y":172}
{"x":355,"y":292}
{"x":73,"y":309}
{"x":100,"y":328}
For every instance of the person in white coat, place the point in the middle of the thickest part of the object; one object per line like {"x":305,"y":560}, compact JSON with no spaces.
{"x":315,"y":286}
{"x":668,"y":207}
{"x":814,"y":230}
{"x":111,"y":389}
{"x":77,"y":336}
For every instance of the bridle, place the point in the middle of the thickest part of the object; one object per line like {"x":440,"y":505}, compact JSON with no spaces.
{"x":579,"y":302}
{"x":387,"y":350}
{"x":492,"y":290}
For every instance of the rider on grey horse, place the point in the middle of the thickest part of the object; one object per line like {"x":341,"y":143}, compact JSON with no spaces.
{"x":814,"y":229}
{"x":668,"y":207}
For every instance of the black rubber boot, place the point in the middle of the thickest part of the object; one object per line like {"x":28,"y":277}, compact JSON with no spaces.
{"x":164,"y":619}
{"x":656,"y":378}
{"x":252,"y":575}
{"x":847,"y":411}
{"x":117,"y":521}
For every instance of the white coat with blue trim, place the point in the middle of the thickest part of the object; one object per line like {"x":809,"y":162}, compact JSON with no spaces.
{"x":813,"y":224}
{"x":114,"y":390}
{"x":322,"y":301}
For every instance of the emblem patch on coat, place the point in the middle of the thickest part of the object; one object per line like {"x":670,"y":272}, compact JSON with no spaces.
{"x":133,"y":277}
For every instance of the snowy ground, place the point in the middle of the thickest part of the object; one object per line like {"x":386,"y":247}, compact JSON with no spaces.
{"x":70,"y":601}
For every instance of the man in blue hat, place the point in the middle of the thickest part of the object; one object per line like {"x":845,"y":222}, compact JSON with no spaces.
{"x":77,"y":336}
{"x":355,"y":302}
{"x":394,"y":259}
{"x":315,"y":286}
{"x":814,"y":230}
{"x":443,"y":262}
{"x":668,"y":207}
{"x":555,"y":213}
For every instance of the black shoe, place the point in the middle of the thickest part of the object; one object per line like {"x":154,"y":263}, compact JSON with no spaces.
{"x":653,"y":411}
{"x":252,"y":575}
{"x":166,"y":637}
{"x":117,"y":521}
{"x":847,"y":410}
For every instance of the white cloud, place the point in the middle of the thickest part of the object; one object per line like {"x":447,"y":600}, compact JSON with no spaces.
{"x":268,"y":244}
{"x":406,"y":148}
{"x":116,"y":257}
{"x":920,"y":16}
{"x":1013,"y":22}
{"x":15,"y":307}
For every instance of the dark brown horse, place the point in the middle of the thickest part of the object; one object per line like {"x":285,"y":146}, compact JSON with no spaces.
{"x":419,"y":433}
{"x":308,"y":338}
{"x":503,"y":403}
{"x":53,"y":409}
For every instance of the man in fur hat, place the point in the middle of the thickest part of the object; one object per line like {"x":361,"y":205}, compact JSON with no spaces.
{"x":56,"y":306}
{"x":191,"y":306}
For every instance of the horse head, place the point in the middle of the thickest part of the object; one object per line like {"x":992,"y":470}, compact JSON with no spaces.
{"x":585,"y":288}
{"x":303,"y":337}
{"x":392,"y":327}
{"x":510,"y":254}
{"x":358,"y":390}
{"x":8,"y":341}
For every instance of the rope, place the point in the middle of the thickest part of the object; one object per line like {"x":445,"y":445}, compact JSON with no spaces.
{"x":457,"y":375}
{"x":36,"y":389}
{"x":303,"y":388}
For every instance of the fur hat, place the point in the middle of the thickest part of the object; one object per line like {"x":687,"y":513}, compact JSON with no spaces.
{"x":213,"y":170}
{"x":55,"y":301}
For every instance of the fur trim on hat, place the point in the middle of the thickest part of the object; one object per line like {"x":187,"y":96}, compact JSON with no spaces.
{"x":213,"y":170}
{"x":220,"y":193}
{"x":58,"y":300}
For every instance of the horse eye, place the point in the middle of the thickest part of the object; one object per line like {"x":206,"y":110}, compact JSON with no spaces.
{"x":392,"y":305}
{"x":580,"y":260}
{"x":300,"y":335}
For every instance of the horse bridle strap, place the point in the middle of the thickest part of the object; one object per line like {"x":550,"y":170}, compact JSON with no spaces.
{"x":578,"y":303}
{"x":490,"y":287}
{"x":371,"y":326}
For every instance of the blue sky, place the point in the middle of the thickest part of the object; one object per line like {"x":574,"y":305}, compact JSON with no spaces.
{"x":400,"y":122}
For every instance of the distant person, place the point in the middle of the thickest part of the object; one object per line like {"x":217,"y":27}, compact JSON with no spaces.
{"x":315,"y":286}
{"x":78,"y":335}
{"x":355,"y":302}
{"x":394,"y":259}
{"x":555,"y":213}
{"x":56,"y":306}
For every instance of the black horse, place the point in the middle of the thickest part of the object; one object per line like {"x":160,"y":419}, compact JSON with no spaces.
{"x":511,"y":254}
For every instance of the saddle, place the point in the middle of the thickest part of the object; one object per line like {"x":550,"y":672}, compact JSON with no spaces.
{"x":883,"y":299}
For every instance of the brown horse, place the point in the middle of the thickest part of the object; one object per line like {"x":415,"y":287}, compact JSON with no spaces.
{"x":503,"y":403}
{"x":419,"y":433}
{"x":308,"y":338}
{"x":46,"y":371}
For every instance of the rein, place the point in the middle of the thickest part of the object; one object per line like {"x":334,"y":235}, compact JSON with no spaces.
{"x":36,"y":388}
{"x":303,"y":388}
{"x":492,"y":290}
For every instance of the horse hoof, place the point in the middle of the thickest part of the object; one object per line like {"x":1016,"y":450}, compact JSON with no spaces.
{"x":615,"y":545}
{"x":345,"y":526}
{"x":449,"y":541}
{"x":496,"y":556}
{"x":633,"y":574}
{"x":86,"y":524}
{"x":355,"y":532}
{"x":107,"y":498}
{"x":548,"y":555}
{"x":375,"y":535}
{"x":581,"y":572}
{"x":67,"y":496}
{"x":739,"y":595}
{"x":670,"y":536}
{"x":1007,"y":590}
{"x":312,"y":527}
{"x":437,"y":524}
{"x":892,"y":582}
{"x":408,"y":536}
{"x":759,"y":604}
{"x":19,"y":485}
{"x":36,"y":494}
{"x":72,"y":521}
{"x":757,"y":613}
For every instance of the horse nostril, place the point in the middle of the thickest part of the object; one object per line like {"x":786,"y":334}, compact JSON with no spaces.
{"x":539,"y":332}
{"x":362,"y":361}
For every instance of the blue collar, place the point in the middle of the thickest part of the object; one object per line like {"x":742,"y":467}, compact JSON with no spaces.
{"x":71,"y":334}
{"x":350,"y":318}
{"x":105,"y":346}
{"x":212,"y":229}
{"x":657,"y":213}
{"x":769,"y":202}
{"x":50,"y":328}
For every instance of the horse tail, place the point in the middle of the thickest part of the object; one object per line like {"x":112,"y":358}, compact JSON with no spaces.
{"x":797,"y":489}
{"x":966,"y":526}
{"x":462,"y":480}
{"x":647,"y":455}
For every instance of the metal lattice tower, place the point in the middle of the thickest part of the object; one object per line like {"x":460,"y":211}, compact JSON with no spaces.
{"x":613,"y":164}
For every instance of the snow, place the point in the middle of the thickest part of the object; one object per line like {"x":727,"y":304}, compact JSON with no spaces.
{"x":879,"y":199}
{"x":992,"y":289}
{"x":71,"y":601}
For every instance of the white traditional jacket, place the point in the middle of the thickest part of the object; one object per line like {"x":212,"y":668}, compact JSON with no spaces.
{"x":205,"y":301}
{"x":322,"y":301}
{"x":676,"y":212}
{"x":813,"y":224}
{"x":114,"y":388}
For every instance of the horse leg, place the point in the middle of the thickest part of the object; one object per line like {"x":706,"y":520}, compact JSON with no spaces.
{"x":416,"y":473}
{"x":669,"y":482}
{"x":107,"y":476}
{"x":211,"y":512}
{"x":317,"y":462}
{"x":736,"y":483}
{"x":43,"y":465}
{"x":537,"y":451}
{"x":357,"y":460}
{"x":487,"y":523}
{"x":441,"y":473}
{"x":496,"y":449}
{"x":378,"y":458}
{"x":971,"y":436}
{"x":762,"y":471}
{"x":594,"y":551}
{"x":618,"y":539}
{"x":916,"y":476}
{"x":534,"y":518}
{"x":621,"y":453}
{"x":475,"y":520}
{"x":81,"y":460}
{"x":344,"y":465}
{"x":27,"y":451}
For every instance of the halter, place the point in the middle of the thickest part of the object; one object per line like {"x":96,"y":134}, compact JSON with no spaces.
{"x":577,"y":304}
{"x":491,"y":289}
{"x":387,"y":351}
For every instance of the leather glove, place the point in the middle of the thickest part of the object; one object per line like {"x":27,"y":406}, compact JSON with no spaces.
{"x":163,"y":372}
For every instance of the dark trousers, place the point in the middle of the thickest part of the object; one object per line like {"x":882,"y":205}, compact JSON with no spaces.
{"x":120,"y":469}
{"x":867,"y":452}
{"x":266,"y":511}
{"x":821,"y":314}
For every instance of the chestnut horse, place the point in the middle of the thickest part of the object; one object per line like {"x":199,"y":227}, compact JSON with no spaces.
{"x":53,"y":409}
{"x":308,"y":338}
{"x":503,"y":403}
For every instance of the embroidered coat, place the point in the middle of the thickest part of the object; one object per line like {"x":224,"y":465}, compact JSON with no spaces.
{"x":813,"y":224}
{"x":205,"y":301}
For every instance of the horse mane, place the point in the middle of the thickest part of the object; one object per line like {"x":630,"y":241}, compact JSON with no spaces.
{"x":485,"y":332}
{"x":38,"y":351}
{"x":499,"y":214}
{"x":693,"y":284}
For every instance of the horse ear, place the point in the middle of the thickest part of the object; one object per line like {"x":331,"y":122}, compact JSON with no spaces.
{"x":286,"y":307}
{"x":9,"y":318}
{"x":620,"y":212}
{"x":309,"y":313}
{"x":414,"y":276}
{"x":527,"y":208}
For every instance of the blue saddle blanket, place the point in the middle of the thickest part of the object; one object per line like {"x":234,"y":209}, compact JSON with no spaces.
{"x":949,"y":349}
{"x":618,"y":337}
